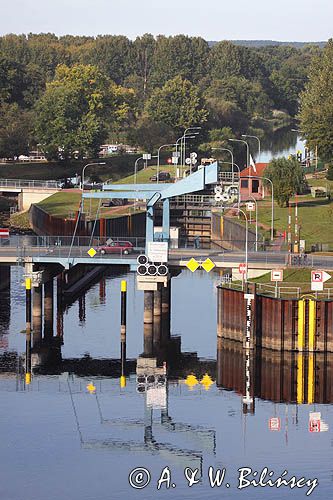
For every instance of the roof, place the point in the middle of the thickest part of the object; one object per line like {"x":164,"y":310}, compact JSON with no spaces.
{"x":261,"y":167}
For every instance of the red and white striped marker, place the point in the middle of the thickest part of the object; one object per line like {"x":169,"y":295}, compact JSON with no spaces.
{"x":4,"y":233}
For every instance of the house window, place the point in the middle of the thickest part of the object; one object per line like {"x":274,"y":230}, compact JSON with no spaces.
{"x":245,"y":184}
{"x":255,"y":186}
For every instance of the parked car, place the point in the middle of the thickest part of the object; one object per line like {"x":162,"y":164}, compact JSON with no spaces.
{"x":122,"y":247}
{"x":162,"y":176}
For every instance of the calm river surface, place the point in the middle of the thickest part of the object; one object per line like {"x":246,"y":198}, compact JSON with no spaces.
{"x":60,"y":441}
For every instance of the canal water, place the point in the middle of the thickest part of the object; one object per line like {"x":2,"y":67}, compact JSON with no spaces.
{"x":58,"y":440}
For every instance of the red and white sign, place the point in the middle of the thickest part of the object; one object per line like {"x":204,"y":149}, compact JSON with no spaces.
{"x":314,"y":422}
{"x":250,"y":206}
{"x":277,"y":275}
{"x":242,"y":268}
{"x":318,"y":279}
{"x":275,"y":424}
{"x":4,"y":233}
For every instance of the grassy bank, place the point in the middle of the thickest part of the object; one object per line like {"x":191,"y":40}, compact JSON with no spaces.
{"x":116,"y":167}
{"x":65,"y":204}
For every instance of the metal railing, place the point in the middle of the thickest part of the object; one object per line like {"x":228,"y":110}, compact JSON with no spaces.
{"x":24,"y":183}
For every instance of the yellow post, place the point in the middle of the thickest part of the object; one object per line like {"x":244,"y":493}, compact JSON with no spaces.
{"x":301,"y":324}
{"x":312,"y":324}
{"x":300,"y":378}
{"x":311,"y":379}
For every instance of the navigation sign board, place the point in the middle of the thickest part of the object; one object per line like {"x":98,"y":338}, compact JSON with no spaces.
{"x":277,"y":275}
{"x":275,"y":424}
{"x":250,"y":206}
{"x":146,"y":156}
{"x":318,"y":279}
{"x":4,"y":233}
{"x":176,"y":154}
{"x":242,"y":268}
{"x":158,"y":251}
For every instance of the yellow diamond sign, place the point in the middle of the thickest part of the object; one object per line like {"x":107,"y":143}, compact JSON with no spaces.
{"x":192,"y":265}
{"x":208,"y":265}
{"x":92,"y":252}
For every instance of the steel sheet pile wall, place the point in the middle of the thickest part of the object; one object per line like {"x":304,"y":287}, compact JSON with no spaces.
{"x":281,"y":324}
{"x":125,"y":226}
{"x":292,"y":377}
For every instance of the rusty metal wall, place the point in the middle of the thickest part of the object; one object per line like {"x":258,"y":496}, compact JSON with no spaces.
{"x":290,"y":377}
{"x":124,"y":226}
{"x":277,"y":324}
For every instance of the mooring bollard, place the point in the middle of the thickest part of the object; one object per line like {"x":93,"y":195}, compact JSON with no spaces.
{"x":123,"y":332}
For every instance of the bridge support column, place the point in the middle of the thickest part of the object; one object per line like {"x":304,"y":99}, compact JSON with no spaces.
{"x":4,"y":278}
{"x":157,"y":318}
{"x":166,"y":313}
{"x":219,"y":311}
{"x":166,"y":219}
{"x":37,"y":308}
{"x":48,"y":308}
{"x":148,"y":320}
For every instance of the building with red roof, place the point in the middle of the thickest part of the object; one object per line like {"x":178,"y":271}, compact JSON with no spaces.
{"x":252,"y":186}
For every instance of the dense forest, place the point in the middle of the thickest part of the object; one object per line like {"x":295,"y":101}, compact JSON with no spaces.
{"x":73,"y":93}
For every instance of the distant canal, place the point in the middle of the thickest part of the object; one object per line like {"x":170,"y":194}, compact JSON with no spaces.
{"x":60,"y":441}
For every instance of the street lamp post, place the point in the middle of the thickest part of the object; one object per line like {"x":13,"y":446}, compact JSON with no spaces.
{"x":256,"y":205}
{"x":84,"y":168}
{"x":158,"y":157}
{"x":254,"y":137}
{"x":272,"y":193}
{"x":82,"y":179}
{"x":247,"y":149}
{"x":246,"y":240}
{"x":181,"y":149}
{"x":232,"y":159}
{"x":239,"y":181}
{"x":184,"y":139}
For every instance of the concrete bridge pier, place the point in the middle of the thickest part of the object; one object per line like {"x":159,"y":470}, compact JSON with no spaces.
{"x":4,"y":278}
{"x":157,"y":333}
{"x":37,"y":311}
{"x":48,"y":308}
{"x":148,"y":323}
{"x":166,"y":313}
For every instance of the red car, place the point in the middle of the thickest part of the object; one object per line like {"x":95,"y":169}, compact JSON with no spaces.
{"x":122,"y":247}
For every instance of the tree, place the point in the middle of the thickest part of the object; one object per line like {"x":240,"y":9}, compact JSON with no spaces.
{"x":177,"y":104}
{"x":71,"y":114}
{"x":316,"y":109}
{"x":15,"y":129}
{"x":288,"y":179}
{"x":149,"y":135}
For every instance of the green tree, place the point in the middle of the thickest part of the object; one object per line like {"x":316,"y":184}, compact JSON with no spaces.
{"x":177,"y":104}
{"x":15,"y":130}
{"x":72,"y":112}
{"x":316,"y":109}
{"x":288,"y":179}
{"x":149,"y":135}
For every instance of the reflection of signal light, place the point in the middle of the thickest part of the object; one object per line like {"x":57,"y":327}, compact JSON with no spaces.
{"x":142,"y":270}
{"x":162,"y":270}
{"x":142,"y":259}
{"x":152,"y":270}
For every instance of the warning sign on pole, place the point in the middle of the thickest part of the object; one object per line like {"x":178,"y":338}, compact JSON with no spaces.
{"x":275,"y":424}
{"x":318,"y":278}
{"x":242,"y":268}
{"x":277,"y":275}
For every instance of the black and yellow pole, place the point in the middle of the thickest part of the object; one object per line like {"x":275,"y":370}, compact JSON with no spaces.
{"x":123,"y":332}
{"x":28,"y":331}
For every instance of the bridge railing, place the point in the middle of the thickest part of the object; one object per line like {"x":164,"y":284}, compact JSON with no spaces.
{"x":24,"y":183}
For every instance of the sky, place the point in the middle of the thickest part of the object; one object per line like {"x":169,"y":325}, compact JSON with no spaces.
{"x":284,"y":20}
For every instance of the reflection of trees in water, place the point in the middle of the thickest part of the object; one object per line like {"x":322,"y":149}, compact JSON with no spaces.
{"x":280,"y":140}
